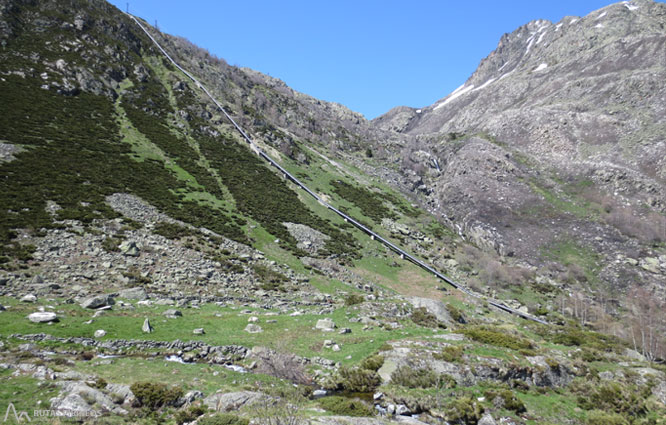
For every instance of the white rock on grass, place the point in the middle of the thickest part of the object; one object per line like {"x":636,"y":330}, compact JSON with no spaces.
{"x":325,"y":325}
{"x":43,"y":317}
{"x":29,"y":298}
{"x":99,"y":333}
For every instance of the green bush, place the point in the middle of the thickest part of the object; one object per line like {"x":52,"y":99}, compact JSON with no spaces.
{"x":422,"y":317}
{"x":155,"y":395}
{"x":450,"y":353}
{"x":456,"y":314}
{"x":223,"y":419}
{"x":490,"y":336}
{"x":597,"y":417}
{"x":345,"y":406}
{"x":506,"y":399}
{"x":627,"y":400}
{"x":463,"y":411}
{"x":358,"y":380}
{"x":353,"y":299}
{"x":172,"y":230}
{"x":411,"y":377}
{"x":373,"y":362}
{"x":189,"y":415}
{"x":370,"y":203}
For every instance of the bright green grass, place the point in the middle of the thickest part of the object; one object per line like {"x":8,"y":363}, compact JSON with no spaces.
{"x":25,"y":393}
{"x":551,"y":407}
{"x":203,"y":377}
{"x":223,"y":326}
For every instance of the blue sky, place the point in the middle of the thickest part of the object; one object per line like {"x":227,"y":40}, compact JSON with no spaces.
{"x":367,"y":55}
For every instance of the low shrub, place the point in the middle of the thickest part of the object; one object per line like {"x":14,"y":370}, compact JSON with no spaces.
{"x":223,"y":419}
{"x":456,"y":314}
{"x":463,"y":411}
{"x":353,"y":299}
{"x":357,"y":380}
{"x":171,"y":230}
{"x":613,"y":397}
{"x":189,"y":415}
{"x":422,"y":317}
{"x":496,"y":337}
{"x":345,"y":406}
{"x":155,"y":395}
{"x":597,"y":417}
{"x":506,"y":399}
{"x":410,"y":377}
{"x":450,"y":353}
{"x":373,"y":362}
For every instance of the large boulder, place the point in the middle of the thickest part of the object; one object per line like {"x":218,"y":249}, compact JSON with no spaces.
{"x":325,"y":325}
{"x":98,"y":301}
{"x":79,"y":399}
{"x":130,"y":248}
{"x":43,"y":317}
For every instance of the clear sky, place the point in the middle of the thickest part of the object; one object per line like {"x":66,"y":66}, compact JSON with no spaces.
{"x":367,"y":55}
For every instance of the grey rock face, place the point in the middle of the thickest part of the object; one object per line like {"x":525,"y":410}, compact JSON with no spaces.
{"x":75,"y":397}
{"x":133,"y":294}
{"x":227,"y":402}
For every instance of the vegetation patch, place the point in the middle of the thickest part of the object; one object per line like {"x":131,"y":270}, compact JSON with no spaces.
{"x":412,"y":377}
{"x":346,"y":406}
{"x":370,"y":203}
{"x":494,"y":336}
{"x":422,"y":317}
{"x":155,"y":395}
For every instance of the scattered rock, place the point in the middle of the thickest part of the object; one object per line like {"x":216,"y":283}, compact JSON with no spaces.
{"x":253,"y":329}
{"x":325,"y":325}
{"x":147,"y":328}
{"x":172,"y":313}
{"x":133,"y":294}
{"x":487,"y":419}
{"x":99,"y":333}
{"x":129,"y":248}
{"x":43,"y":317}
{"x":29,"y":298}
{"x":253,"y":319}
{"x":189,"y":398}
{"x":650,"y":264}
{"x":198,"y":331}
{"x":98,"y":301}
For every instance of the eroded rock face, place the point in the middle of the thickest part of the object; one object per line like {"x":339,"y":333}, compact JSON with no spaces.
{"x":227,"y":402}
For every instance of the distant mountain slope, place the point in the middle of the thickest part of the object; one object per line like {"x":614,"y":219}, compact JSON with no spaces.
{"x":559,"y":137}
